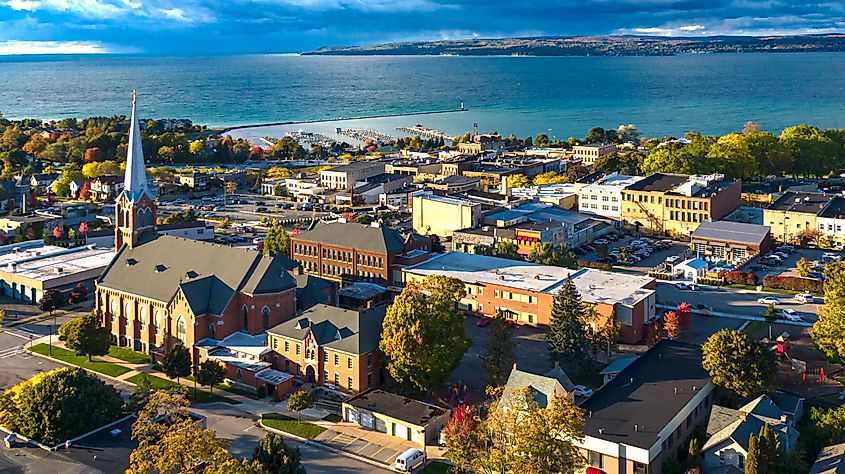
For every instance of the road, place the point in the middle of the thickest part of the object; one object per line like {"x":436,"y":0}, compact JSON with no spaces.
{"x":733,"y":301}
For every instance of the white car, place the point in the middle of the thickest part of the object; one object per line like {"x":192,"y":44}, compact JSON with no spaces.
{"x":805,"y":298}
{"x":257,"y":240}
{"x":601,"y":241}
{"x":791,"y":315}
{"x":583,"y":391}
{"x":782,"y":255}
{"x":768,"y":300}
{"x":686,"y":286}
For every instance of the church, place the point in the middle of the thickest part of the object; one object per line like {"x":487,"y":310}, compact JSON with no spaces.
{"x":161,"y":290}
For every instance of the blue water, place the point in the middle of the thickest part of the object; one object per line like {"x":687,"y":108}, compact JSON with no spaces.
{"x":525,"y":95}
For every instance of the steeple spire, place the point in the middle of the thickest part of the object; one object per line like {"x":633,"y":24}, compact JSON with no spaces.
{"x":135,"y":181}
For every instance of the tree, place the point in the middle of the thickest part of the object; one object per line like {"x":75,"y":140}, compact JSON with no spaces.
{"x":57,"y":232}
{"x":771,"y":316}
{"x":828,"y":332}
{"x":732,"y":156}
{"x":140,"y":395}
{"x":176,"y":362}
{"x":85,"y":192}
{"x":596,"y":135}
{"x":672,"y":324}
{"x":423,"y":337}
{"x":210,"y":372}
{"x":694,"y":454}
{"x":550,"y":177}
{"x":764,"y":454}
{"x":58,"y":405}
{"x":517,"y":181}
{"x":299,"y":401}
{"x":812,"y":151}
{"x":751,"y":461}
{"x":548,"y":254}
{"x":498,"y":357}
{"x":233,"y":466}
{"x":567,"y":335}
{"x":196,"y":147}
{"x":50,"y":301}
{"x":83,"y":228}
{"x":78,"y":294}
{"x":277,"y":240}
{"x":70,"y":172}
{"x":276,"y":457}
{"x":464,"y":440}
{"x":170,"y":440}
{"x":802,"y":267}
{"x":506,"y":249}
{"x":739,"y":364}
{"x":85,"y":336}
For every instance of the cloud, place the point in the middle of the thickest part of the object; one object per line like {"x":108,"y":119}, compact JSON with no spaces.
{"x":52,"y":47}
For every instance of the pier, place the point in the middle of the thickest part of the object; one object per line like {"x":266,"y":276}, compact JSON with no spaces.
{"x":364,"y":134}
{"x":425,"y":132}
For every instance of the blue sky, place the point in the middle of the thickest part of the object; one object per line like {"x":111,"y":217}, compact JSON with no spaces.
{"x":268,"y":26}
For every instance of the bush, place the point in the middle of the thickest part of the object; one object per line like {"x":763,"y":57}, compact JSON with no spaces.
{"x":710,"y":281}
{"x":793,"y":283}
{"x":597,"y":265}
{"x":738,"y":277}
{"x":261,"y":391}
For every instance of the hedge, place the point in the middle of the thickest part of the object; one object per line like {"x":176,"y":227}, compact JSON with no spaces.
{"x":794,"y":283}
{"x":741,"y":278}
{"x":597,"y":265}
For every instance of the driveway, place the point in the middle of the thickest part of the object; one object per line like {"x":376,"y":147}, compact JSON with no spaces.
{"x":365,"y":444}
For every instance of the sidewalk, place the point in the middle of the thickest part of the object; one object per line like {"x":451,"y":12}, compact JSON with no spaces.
{"x":746,"y":317}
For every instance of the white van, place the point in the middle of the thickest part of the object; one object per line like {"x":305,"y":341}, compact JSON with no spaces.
{"x":409,"y":460}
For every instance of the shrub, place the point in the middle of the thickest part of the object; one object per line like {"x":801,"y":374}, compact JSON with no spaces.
{"x":597,"y":265}
{"x":793,"y":283}
{"x":741,"y":278}
{"x":710,"y":281}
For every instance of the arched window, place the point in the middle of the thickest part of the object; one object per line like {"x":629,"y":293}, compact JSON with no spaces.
{"x":141,"y":218}
{"x":265,"y":318}
{"x":158,"y":322}
{"x":211,"y":330}
{"x":142,"y":316}
{"x":244,"y":319}
{"x":127,"y":310}
{"x":114,"y":306}
{"x":239,"y":374}
{"x":180,"y":328}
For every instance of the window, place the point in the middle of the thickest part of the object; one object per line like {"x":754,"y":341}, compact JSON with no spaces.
{"x":180,"y":328}
{"x":336,"y":360}
{"x":275,"y":343}
{"x":325,"y":357}
{"x":369,"y":379}
{"x":348,"y":362}
{"x":127,"y":309}
{"x":594,"y":459}
{"x":369,"y":360}
{"x":326,"y":376}
{"x":158,"y":322}
{"x":265,"y":318}
{"x":287,"y":346}
{"x":349,"y":382}
{"x":640,"y":468}
{"x":142,"y":317}
{"x":337,"y":379}
{"x":298,"y":349}
{"x":244,"y":318}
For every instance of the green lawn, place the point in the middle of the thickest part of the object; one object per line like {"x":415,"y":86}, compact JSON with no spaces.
{"x":291,"y":425}
{"x":231,"y":389}
{"x":202,"y":396}
{"x":95,"y":364}
{"x":127,"y":355}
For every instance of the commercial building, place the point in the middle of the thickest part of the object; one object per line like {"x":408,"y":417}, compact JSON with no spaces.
{"x":247,"y":361}
{"x":433,"y":214}
{"x":639,"y":419}
{"x":604,"y":196}
{"x":731,"y":241}
{"x":830,"y":221}
{"x":676,"y":204}
{"x":482,"y":144}
{"x":345,"y":176}
{"x":330,"y":346}
{"x":348,"y":252}
{"x":455,"y":184}
{"x":590,"y":152}
{"x":396,"y":415}
{"x":794,"y":215}
{"x":194,"y":181}
{"x":525,"y":291}
{"x":28,"y":269}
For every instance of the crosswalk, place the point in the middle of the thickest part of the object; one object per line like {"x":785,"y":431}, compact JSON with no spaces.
{"x":12,"y":352}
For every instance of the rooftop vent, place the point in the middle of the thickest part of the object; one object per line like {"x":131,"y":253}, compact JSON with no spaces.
{"x":160,"y":268}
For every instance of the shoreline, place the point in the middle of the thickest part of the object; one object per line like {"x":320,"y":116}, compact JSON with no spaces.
{"x":342,"y":119}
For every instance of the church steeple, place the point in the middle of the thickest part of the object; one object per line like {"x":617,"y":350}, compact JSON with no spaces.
{"x":135,"y":209}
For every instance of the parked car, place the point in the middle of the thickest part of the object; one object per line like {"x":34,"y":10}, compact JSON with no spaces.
{"x":791,"y":314}
{"x":804,"y":298}
{"x":782,"y":255}
{"x":768,"y":300}
{"x":601,"y":241}
{"x":786,"y":248}
{"x":687,"y":286}
{"x":257,"y":240}
{"x":583,"y":391}
{"x":260,"y":209}
{"x":484,"y":322}
{"x":703,"y":309}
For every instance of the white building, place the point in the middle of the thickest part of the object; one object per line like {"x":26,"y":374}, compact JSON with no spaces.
{"x":830,"y":221}
{"x":604,"y":197}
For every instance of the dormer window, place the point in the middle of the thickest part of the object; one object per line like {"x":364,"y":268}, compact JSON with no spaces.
{"x":303,"y":323}
{"x":160,"y":268}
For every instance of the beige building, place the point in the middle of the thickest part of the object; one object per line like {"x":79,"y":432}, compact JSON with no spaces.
{"x":396,"y":415}
{"x":441,"y":215}
{"x":794,"y":214}
{"x":590,"y":152}
{"x":345,"y":176}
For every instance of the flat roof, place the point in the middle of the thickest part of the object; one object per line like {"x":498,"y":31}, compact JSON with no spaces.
{"x":645,"y":396}
{"x":810,"y":203}
{"x":38,"y":261}
{"x":731,"y":232}
{"x":402,"y":408}
{"x":447,"y":200}
{"x":659,"y":182}
{"x":595,"y":286}
{"x":616,"y":180}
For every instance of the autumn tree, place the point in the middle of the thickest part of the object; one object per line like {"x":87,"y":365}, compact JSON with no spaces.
{"x":423,"y":337}
{"x":737,"y":363}
{"x":517,"y":181}
{"x":277,"y":240}
{"x":176,"y":362}
{"x":210,"y":373}
{"x":300,"y":400}
{"x":828,"y":332}
{"x":464,"y":440}
{"x":85,"y":336}
{"x":566,"y":335}
{"x":672,"y":324}
{"x":276,"y":457}
{"x":802,"y":267}
{"x":50,"y":301}
{"x":498,"y":357}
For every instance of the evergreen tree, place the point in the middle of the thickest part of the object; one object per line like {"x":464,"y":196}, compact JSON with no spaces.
{"x":768,"y":451}
{"x":751,"y":463}
{"x":176,"y":362}
{"x":498,"y":352}
{"x":567,"y":334}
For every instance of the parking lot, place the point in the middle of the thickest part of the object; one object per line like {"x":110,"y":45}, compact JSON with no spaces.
{"x":646,"y":260}
{"x":384,"y":449}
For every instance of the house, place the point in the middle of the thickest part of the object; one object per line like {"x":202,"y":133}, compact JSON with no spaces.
{"x":728,"y":430}
{"x":330,"y":346}
{"x":194,"y":181}
{"x":794,"y":214}
{"x":543,"y":386}
{"x":105,"y":187}
{"x":691,"y":269}
{"x":639,"y":420}
{"x":76,"y":186}
{"x":43,"y":181}
{"x":396,"y":415}
{"x":732,"y":241}
{"x":831,"y":460}
{"x":347,"y":252}
{"x":525,"y":291}
{"x":676,"y":204}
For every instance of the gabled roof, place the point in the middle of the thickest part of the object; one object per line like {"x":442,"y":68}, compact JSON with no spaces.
{"x":311,"y":290}
{"x":160,"y":266}
{"x":355,"y":332}
{"x":542,"y":385}
{"x":363,"y":237}
{"x":831,"y":460}
{"x":728,"y":423}
{"x":732,"y":231}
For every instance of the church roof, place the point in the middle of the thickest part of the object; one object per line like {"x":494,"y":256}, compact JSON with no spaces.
{"x":156,"y":269}
{"x":135,"y":180}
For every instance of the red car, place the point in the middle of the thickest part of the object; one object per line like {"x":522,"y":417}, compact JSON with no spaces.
{"x":484,"y":322}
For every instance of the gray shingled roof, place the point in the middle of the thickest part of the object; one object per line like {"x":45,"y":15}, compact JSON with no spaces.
{"x":157,"y":268}
{"x":760,"y":411}
{"x":310,"y":290}
{"x":732,"y":231}
{"x":364,"y":237}
{"x":355,"y":332}
{"x":543,"y":385}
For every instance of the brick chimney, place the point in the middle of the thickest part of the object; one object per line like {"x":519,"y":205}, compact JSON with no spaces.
{"x":743,"y":415}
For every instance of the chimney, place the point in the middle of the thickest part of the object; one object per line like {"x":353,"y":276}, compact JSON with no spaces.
{"x":514,"y":366}
{"x":506,"y":191}
{"x":743,"y":415}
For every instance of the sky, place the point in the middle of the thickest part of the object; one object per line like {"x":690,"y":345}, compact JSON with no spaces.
{"x":279,"y":26}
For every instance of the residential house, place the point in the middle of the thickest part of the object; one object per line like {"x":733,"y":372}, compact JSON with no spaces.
{"x":396,"y":415}
{"x":330,"y":346}
{"x":543,"y":386}
{"x":76,"y":186}
{"x":43,"y":181}
{"x":105,"y":187}
{"x":640,"y":419}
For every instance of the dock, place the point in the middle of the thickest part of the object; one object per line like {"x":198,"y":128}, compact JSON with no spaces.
{"x":425,"y":132}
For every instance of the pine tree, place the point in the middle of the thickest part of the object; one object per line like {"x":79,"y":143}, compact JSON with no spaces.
{"x":751,"y":459}
{"x":768,"y":451}
{"x":498,"y":352}
{"x":567,"y":335}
